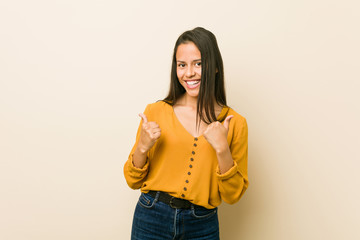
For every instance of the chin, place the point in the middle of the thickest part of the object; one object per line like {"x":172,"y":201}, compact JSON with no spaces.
{"x":192,"y":94}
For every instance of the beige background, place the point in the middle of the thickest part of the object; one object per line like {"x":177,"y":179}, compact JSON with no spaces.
{"x":74,"y":75}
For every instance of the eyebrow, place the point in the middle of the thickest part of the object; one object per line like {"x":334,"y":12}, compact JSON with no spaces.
{"x":196,"y":60}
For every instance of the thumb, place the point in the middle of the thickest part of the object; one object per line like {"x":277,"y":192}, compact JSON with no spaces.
{"x":143,"y":116}
{"x":227,"y":121}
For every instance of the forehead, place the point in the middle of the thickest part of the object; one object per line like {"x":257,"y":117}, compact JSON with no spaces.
{"x":187,"y":51}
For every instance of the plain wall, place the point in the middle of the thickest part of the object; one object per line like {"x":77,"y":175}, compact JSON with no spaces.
{"x":75,"y":74}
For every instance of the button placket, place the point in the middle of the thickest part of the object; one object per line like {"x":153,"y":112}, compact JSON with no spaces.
{"x":192,"y":158}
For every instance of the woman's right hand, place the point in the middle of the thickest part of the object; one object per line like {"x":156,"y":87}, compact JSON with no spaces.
{"x":150,"y":133}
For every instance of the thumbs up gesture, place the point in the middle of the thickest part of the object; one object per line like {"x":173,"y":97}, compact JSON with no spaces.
{"x":216,"y":134}
{"x":150,"y":133}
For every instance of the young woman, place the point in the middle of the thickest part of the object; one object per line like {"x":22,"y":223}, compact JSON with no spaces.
{"x":191,"y":148}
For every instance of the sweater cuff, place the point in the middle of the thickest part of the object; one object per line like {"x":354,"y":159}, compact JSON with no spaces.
{"x":231,"y":172}
{"x":137,"y":172}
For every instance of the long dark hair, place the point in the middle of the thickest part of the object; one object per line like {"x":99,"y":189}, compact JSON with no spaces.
{"x":212,"y":87}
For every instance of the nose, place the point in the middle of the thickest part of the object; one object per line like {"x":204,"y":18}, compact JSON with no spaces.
{"x":190,"y":72}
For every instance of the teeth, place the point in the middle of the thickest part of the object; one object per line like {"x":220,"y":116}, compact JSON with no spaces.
{"x":192,"y":82}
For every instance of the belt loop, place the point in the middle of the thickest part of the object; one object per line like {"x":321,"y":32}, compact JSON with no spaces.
{"x":157,"y":196}
{"x":171,"y":203}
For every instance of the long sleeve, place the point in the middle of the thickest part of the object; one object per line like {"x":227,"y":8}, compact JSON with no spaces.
{"x":233,"y":183}
{"x":135,"y":176}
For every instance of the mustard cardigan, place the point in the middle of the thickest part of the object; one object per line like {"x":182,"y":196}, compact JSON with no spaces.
{"x":187,"y":167}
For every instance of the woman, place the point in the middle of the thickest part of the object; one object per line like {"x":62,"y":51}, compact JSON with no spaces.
{"x":191,"y":148}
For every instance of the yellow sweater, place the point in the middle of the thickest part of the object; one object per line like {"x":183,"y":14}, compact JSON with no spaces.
{"x":187,"y":167}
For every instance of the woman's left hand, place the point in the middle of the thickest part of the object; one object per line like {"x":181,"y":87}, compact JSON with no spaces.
{"x":216,"y":134}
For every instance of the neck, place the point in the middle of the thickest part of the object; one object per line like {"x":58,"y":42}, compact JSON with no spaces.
{"x":189,"y":101}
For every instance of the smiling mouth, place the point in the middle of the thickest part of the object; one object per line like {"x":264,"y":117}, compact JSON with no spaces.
{"x":192,"y":83}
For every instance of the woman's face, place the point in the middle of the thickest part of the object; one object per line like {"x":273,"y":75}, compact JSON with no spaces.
{"x":188,"y":68}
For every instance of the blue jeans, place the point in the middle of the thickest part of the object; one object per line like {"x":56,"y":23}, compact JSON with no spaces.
{"x":155,"y":220}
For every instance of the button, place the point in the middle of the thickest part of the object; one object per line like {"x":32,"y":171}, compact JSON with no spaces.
{"x":193,"y":152}
{"x":185,"y":189}
{"x":189,"y":173}
{"x":187,"y":181}
{"x":182,"y":195}
{"x":190,"y":166}
{"x":195,"y":139}
{"x":191,"y":159}
{"x":195,"y":144}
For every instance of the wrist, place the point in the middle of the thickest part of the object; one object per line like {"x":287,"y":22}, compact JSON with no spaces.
{"x":139,"y":157}
{"x":222,"y":149}
{"x":141,"y":150}
{"x":225,"y":160}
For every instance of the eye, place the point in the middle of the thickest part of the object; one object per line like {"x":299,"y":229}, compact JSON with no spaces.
{"x":181,"y":65}
{"x":198,"y":64}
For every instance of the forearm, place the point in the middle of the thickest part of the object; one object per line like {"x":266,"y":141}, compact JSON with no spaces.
{"x":135,"y":175}
{"x":225,"y":159}
{"x":139,"y":157}
{"x":232,"y":184}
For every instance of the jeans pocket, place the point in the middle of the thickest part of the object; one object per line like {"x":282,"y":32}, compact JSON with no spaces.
{"x":201,"y":212}
{"x":146,"y":201}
